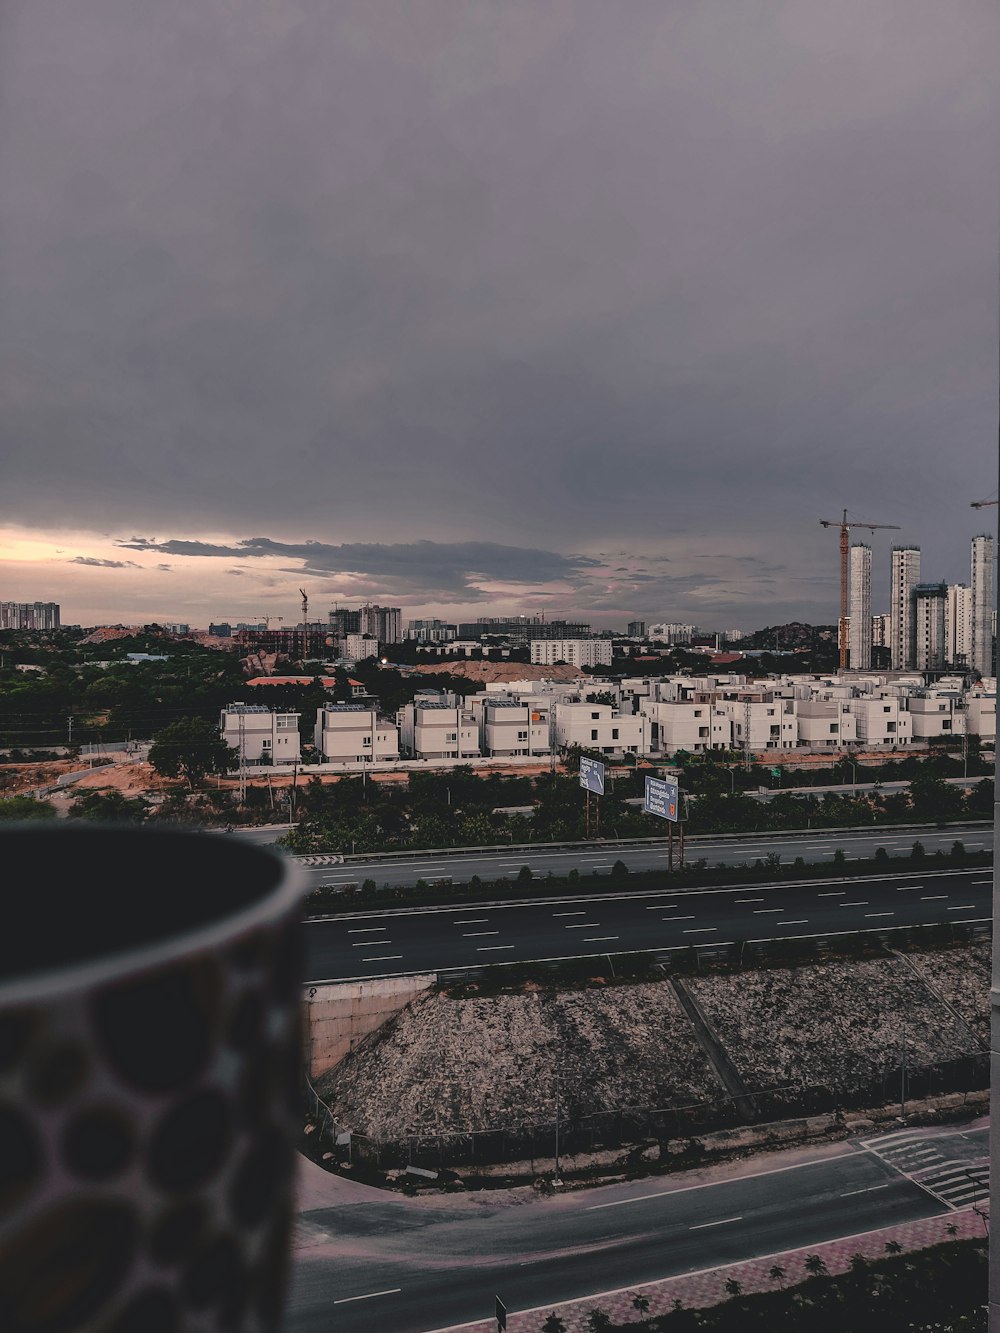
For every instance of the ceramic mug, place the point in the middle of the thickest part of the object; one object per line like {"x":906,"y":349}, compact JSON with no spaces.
{"x":149,"y":1077}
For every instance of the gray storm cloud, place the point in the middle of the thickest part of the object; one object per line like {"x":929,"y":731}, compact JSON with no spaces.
{"x":530,"y":278}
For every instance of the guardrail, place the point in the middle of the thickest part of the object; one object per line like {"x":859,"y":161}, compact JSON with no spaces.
{"x":692,"y":840}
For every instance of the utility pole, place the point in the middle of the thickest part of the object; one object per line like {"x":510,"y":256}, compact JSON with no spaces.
{"x":69,"y":730}
{"x":555,"y":1178}
{"x":243,"y":761}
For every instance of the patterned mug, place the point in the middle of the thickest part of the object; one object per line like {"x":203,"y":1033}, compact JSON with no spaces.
{"x":149,"y":1081}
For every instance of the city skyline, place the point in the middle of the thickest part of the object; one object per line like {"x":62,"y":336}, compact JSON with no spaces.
{"x":494,"y":312}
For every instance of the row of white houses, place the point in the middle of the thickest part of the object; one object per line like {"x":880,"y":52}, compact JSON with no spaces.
{"x":657,"y":716}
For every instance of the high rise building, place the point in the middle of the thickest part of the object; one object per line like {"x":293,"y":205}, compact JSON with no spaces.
{"x":881,"y":630}
{"x":930,"y":601}
{"x":982,"y":605}
{"x":384,"y":623}
{"x":860,"y":606}
{"x":958,"y":623}
{"x":29,"y":615}
{"x":904,"y":578}
{"x":636,"y":629}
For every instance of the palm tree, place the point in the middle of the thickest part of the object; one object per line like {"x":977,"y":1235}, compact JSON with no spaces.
{"x":776,"y":1272}
{"x":814,"y":1265}
{"x":640,"y":1303}
{"x":893,"y":1247}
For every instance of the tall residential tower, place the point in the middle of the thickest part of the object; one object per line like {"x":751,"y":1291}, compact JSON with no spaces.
{"x":982,"y":605}
{"x":860,"y":608}
{"x":903,"y":633}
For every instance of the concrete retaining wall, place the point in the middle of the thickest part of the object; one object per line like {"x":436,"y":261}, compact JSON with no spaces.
{"x":338,"y":1016}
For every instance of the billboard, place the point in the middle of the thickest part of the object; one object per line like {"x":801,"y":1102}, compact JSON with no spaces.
{"x":662,"y":798}
{"x":592,"y":775}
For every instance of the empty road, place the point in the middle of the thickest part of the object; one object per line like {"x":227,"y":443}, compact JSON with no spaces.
{"x":413,"y":1265}
{"x":384,"y":942}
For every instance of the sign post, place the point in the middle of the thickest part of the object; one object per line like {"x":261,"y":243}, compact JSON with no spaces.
{"x":501,"y":1315}
{"x":663,"y":799}
{"x":592,"y":781}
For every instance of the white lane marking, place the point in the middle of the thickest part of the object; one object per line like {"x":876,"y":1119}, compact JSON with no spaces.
{"x":492,"y":948}
{"x":832,"y":893}
{"x":699,"y":930}
{"x":582,"y":925}
{"x":369,"y":944}
{"x":677,"y":918}
{"x":748,"y":900}
{"x":933,"y":897}
{"x":390,"y":1291}
{"x":367,"y":930}
{"x":660,"y":906}
{"x":594,"y":939}
{"x":969,"y":907}
{"x":476,"y":934}
{"x":720,"y":1223}
{"x":471,"y":921}
{"x":982,"y":881}
{"x":763,"y":911}
{"x":859,"y":903}
{"x":872,"y":914}
{"x":906,"y":888}
{"x":381,"y":957}
{"x":555,"y":914}
{"x":803,"y":921}
{"x":869,"y":1189}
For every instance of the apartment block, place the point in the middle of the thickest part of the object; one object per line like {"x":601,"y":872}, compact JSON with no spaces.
{"x":354,"y":734}
{"x":511,"y":727}
{"x":905,"y":575}
{"x":261,"y":735}
{"x":881,"y":722}
{"x":935,"y":713}
{"x":860,"y":608}
{"x":825,"y":724}
{"x":29,"y":615}
{"x":982,"y":605}
{"x":694,"y":726}
{"x":359,"y":646}
{"x":438,"y":731}
{"x":601,"y":727}
{"x":574,"y":652}
{"x":930,"y":604}
{"x":958,"y":624}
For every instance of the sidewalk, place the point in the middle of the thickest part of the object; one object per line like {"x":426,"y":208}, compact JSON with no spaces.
{"x":707,"y":1286}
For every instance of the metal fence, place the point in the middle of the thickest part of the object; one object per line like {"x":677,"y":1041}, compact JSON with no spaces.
{"x":629,"y":1127}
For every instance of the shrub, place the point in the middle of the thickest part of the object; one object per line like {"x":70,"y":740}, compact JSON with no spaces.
{"x":839,"y":857}
{"x":524,"y":875}
{"x":881,"y":854}
{"x":918,"y":851}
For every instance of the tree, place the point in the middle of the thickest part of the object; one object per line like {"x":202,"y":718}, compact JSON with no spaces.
{"x":640,"y":1303}
{"x":553,"y":1324}
{"x":109,"y":807}
{"x":598,"y":1321}
{"x":776,"y":1272}
{"x":815,"y":1265}
{"x":25,"y":807}
{"x":734,"y":1287}
{"x":191,"y":748}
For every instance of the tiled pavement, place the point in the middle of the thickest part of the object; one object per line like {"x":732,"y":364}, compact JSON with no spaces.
{"x":708,"y":1287}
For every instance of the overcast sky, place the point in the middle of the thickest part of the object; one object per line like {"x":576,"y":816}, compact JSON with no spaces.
{"x":482,"y":306}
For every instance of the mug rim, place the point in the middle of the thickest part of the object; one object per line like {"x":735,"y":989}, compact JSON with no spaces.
{"x":53,"y":982}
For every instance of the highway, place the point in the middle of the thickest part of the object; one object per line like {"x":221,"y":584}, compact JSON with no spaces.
{"x":460,"y":866}
{"x":369,"y":1260}
{"x":386,"y":942}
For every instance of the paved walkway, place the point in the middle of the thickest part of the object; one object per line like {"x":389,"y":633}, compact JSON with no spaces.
{"x":708,"y":1286}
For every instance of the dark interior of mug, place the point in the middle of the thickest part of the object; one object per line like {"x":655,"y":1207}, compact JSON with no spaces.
{"x":72,"y":894}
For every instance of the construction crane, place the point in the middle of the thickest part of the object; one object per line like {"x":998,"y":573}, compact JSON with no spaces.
{"x":845,"y":526}
{"x":305,"y":623}
{"x":981,"y":504}
{"x":267,"y":620}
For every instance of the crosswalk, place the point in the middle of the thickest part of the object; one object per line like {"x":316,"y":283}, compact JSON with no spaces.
{"x":955,"y":1181}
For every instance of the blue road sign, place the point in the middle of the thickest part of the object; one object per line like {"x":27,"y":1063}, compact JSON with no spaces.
{"x":592,"y":776}
{"x":662,"y":798}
